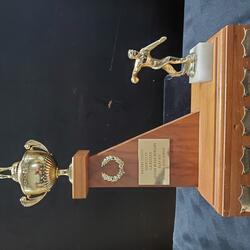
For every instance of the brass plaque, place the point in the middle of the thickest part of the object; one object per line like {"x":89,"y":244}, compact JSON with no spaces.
{"x":245,"y":160}
{"x":245,"y":199}
{"x":246,"y":121}
{"x":246,"y":82}
{"x":246,"y":42}
{"x":154,"y":163}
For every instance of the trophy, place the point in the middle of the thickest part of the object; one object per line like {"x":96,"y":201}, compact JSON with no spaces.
{"x":219,"y":73}
{"x":208,"y":148}
{"x":36,"y":173}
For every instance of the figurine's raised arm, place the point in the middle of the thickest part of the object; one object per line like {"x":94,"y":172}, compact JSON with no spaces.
{"x":155,"y":44}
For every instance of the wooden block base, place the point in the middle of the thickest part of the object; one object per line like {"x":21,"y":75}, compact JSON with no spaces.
{"x":80,"y":178}
{"x":221,"y":104}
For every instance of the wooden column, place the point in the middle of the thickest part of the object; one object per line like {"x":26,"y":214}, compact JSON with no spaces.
{"x":221,"y":104}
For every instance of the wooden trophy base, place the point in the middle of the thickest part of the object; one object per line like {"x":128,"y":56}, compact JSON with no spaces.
{"x":209,"y":148}
{"x":222,"y":104}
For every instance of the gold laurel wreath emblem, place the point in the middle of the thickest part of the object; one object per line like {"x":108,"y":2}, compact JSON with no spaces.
{"x":121,"y":172}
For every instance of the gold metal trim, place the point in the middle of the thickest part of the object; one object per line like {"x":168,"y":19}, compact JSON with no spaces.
{"x":244,"y":199}
{"x":245,"y":121}
{"x":246,"y":42}
{"x":246,"y":82}
{"x":245,"y":160}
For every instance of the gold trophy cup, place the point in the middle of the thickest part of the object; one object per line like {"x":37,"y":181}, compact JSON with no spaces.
{"x":36,"y":173}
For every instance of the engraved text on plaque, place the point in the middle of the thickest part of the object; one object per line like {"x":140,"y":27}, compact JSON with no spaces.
{"x":154,"y":163}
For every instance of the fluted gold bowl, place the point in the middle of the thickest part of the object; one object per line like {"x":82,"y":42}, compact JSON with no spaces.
{"x":36,"y":172}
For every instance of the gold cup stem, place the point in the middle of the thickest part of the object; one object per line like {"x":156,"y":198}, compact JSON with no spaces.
{"x":63,"y":172}
{"x":5,"y":176}
{"x":66,"y":172}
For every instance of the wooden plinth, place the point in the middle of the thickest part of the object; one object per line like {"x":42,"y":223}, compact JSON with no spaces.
{"x":80,"y":178}
{"x":221,"y":104}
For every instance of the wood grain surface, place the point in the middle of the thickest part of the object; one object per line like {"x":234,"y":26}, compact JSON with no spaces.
{"x":221,"y":106}
{"x":80,"y":178}
{"x":183,"y":134}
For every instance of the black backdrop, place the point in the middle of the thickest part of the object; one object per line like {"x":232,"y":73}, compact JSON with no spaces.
{"x":61,"y":63}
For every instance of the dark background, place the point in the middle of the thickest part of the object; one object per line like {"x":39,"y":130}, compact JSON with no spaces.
{"x":61,"y":63}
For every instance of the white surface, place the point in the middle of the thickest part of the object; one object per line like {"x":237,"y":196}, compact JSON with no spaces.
{"x":204,"y":63}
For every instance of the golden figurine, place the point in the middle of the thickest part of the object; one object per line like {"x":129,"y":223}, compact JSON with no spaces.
{"x":143,"y":59}
{"x":36,"y":172}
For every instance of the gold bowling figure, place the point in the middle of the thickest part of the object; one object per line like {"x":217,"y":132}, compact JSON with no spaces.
{"x":143,"y":59}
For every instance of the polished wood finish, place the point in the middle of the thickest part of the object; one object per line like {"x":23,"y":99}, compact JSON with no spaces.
{"x":80,"y":178}
{"x":206,"y":145}
{"x":203,"y":101}
{"x":183,"y":134}
{"x":221,"y":106}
